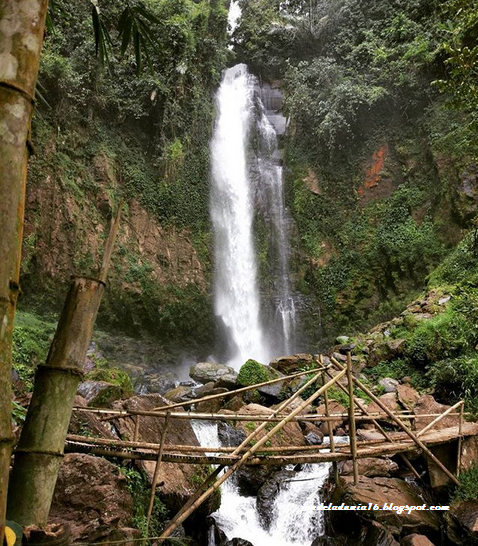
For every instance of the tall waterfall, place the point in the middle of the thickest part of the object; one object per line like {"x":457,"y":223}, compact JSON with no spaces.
{"x":237,"y":301}
{"x":242,"y":179}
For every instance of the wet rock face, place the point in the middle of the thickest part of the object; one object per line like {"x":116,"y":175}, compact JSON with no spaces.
{"x":99,"y":393}
{"x":92,"y":497}
{"x":238,"y":542}
{"x":416,"y":540}
{"x":463,"y":522}
{"x":230,"y":436}
{"x":268,"y":493}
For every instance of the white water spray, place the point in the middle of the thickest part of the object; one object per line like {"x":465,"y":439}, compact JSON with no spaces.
{"x":293,"y":522}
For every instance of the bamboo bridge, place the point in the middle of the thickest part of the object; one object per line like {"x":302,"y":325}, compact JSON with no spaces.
{"x":254,"y":451}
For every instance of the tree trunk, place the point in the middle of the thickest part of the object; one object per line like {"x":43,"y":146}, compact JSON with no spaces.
{"x":22,"y":24}
{"x":40,"y":449}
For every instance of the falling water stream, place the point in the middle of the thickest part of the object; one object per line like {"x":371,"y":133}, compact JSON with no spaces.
{"x":294,"y":522}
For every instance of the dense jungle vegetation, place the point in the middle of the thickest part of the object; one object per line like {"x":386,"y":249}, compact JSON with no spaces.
{"x":370,"y":89}
{"x":380,"y":155}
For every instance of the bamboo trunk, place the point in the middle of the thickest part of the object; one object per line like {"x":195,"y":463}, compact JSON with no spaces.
{"x":330,"y":430}
{"x":22,"y":25}
{"x":352,"y":429}
{"x":156,"y":471}
{"x":40,"y":450}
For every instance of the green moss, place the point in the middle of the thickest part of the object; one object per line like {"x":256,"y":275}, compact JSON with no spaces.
{"x":253,"y":372}
{"x":140,"y":491}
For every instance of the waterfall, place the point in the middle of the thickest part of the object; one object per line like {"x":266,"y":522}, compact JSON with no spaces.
{"x":237,"y":301}
{"x":270,"y":177}
{"x":294,"y":521}
{"x":241,"y":176}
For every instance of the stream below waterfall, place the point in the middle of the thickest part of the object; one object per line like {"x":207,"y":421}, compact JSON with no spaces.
{"x":294,"y":522}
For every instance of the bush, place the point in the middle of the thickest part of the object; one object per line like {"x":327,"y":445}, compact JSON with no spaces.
{"x":456,"y":379}
{"x":397,"y":369}
{"x":468,"y":488}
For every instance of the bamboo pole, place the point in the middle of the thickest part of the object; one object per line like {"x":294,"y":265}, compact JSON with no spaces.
{"x":22,"y":25}
{"x":184,"y":512}
{"x":381,"y":430}
{"x":136,"y":428}
{"x":40,"y":449}
{"x":156,"y":471}
{"x":335,"y":468}
{"x":401,"y":424}
{"x":437,"y":420}
{"x":352,"y":429}
{"x":460,"y":440}
{"x":222,"y":394}
{"x":110,"y":243}
{"x":116,"y":414}
{"x":178,"y":520}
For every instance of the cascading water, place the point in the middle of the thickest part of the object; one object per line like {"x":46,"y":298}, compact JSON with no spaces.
{"x":239,"y":177}
{"x":270,"y":178}
{"x":237,"y":302}
{"x":294,"y":522}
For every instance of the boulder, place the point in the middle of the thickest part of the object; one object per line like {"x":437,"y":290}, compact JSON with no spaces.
{"x":178,"y":481}
{"x":370,"y":467}
{"x":388,"y":490}
{"x":268,"y":493}
{"x":250,"y":479}
{"x":416,"y":540}
{"x":238,"y":542}
{"x":227,"y":381}
{"x":389,"y":384}
{"x":180,"y":394}
{"x":312,"y":439}
{"x":92,"y":498}
{"x":234,"y":403}
{"x":89,"y":424}
{"x":390,"y":400}
{"x":334,"y":408}
{"x":99,"y":393}
{"x":204,"y":390}
{"x":159,"y":383}
{"x":211,"y":406}
{"x":230,"y":436}
{"x":426,"y":404}
{"x":407,"y":396}
{"x":464,"y":515}
{"x":204,"y":372}
{"x":291,"y":433}
{"x":291,"y":364}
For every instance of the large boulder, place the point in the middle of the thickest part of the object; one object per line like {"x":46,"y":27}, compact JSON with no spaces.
{"x":178,"y":481}
{"x":204,"y":372}
{"x":99,"y":393}
{"x":84,"y":423}
{"x":291,"y":364}
{"x":250,"y":479}
{"x":383,"y":491}
{"x":291,"y":433}
{"x":416,"y":540}
{"x":390,"y":400}
{"x":407,"y":396}
{"x":230,"y":436}
{"x":389,"y":384}
{"x":371,"y":467}
{"x":426,"y":404}
{"x":462,"y":522}
{"x":182,"y":393}
{"x":92,"y":498}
